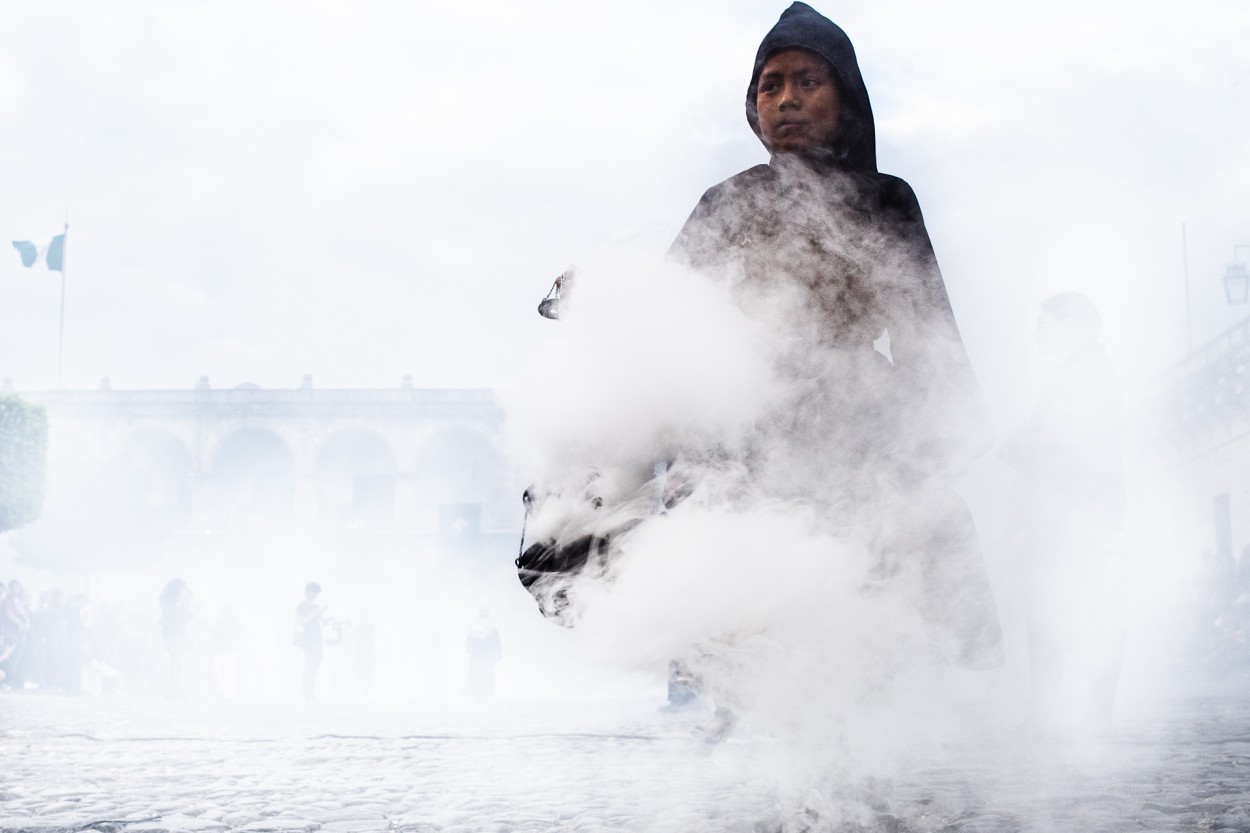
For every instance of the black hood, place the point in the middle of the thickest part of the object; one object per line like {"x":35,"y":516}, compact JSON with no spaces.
{"x":802,"y":27}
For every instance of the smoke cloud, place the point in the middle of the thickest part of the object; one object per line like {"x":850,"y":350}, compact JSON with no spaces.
{"x":694,"y":424}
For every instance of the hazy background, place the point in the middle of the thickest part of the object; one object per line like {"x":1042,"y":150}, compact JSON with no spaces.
{"x":259,"y":190}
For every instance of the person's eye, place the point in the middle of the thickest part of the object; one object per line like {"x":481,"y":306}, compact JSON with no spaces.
{"x":810,"y":83}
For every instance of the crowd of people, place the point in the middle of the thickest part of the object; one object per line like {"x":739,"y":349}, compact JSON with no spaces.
{"x":65,"y":644}
{"x":1216,"y":613}
{"x":45,"y":644}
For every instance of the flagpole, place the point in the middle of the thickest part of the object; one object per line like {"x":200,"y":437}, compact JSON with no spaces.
{"x":60,"y":344}
{"x":1189,"y":323}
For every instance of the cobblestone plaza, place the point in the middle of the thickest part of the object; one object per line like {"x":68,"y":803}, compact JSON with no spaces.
{"x":117,"y":765}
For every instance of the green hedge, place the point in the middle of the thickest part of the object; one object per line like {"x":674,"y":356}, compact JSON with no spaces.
{"x":23,"y":457}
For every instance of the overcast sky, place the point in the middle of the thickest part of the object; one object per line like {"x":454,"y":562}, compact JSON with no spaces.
{"x":359,"y":190}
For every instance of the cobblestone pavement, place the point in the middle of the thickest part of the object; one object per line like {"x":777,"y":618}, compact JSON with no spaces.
{"x":118,"y":766}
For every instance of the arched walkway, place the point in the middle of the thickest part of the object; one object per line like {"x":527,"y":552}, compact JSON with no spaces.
{"x":253,"y":475}
{"x":456,"y":473}
{"x":354,"y":477}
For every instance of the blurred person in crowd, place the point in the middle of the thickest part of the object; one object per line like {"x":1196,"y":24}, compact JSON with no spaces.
{"x":1217,"y":596}
{"x":6,"y":651}
{"x":4,"y":597}
{"x":1215,"y":586}
{"x":485,"y":650}
{"x":227,"y":637}
{"x":1239,"y":615}
{"x":1214,"y":594}
{"x":119,"y":647}
{"x":47,"y":638}
{"x":175,"y":602}
{"x":6,"y":647}
{"x":76,"y":616}
{"x":1069,"y":505}
{"x":15,"y":627}
{"x":310,"y":617}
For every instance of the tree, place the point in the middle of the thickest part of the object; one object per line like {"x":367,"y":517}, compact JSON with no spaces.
{"x":23,"y":459}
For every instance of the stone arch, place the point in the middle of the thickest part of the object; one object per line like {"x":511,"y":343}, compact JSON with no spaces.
{"x":457,"y":477}
{"x":118,"y":498}
{"x":253,"y":474}
{"x":354,"y":475}
{"x":152,"y":472}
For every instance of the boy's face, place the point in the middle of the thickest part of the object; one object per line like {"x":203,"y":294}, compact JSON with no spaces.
{"x":797,"y":101}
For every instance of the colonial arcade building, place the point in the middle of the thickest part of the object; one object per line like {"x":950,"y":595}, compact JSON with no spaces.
{"x":409,"y":469}
{"x":1200,"y":427}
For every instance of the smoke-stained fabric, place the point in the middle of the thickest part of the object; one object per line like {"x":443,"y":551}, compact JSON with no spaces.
{"x":834,"y":255}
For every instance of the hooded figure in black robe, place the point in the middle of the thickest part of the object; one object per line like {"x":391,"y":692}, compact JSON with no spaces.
{"x":834,"y":256}
{"x":882,"y":409}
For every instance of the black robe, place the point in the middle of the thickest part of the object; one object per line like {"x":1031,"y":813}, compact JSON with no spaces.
{"x":839,"y":259}
{"x":833,"y":255}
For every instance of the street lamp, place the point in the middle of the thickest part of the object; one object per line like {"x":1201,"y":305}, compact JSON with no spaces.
{"x":1237,"y":280}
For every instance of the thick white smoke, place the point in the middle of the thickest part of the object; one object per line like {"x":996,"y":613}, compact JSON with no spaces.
{"x":785,"y":617}
{"x":649,"y":358}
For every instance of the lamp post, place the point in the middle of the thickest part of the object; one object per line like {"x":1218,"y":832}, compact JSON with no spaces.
{"x":1237,"y":280}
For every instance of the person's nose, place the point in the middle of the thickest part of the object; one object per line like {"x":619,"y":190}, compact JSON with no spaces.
{"x":789,"y":97}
